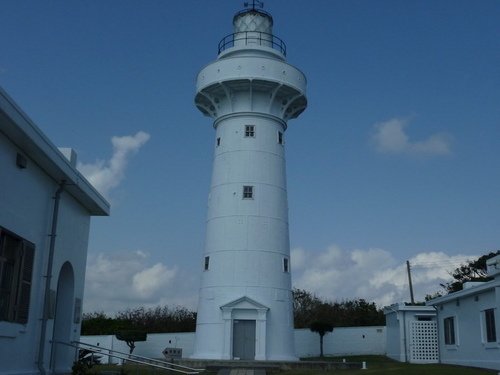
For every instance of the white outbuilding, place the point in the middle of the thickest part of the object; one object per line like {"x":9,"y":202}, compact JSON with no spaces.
{"x":250,"y":92}
{"x":45,"y":210}
{"x":467,"y":322}
{"x":411,"y":333}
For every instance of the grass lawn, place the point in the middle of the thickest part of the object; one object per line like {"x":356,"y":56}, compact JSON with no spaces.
{"x":379,"y":365}
{"x":376,"y":365}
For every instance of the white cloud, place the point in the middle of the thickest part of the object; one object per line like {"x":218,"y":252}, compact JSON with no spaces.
{"x":390,"y":137}
{"x":372,"y":274}
{"x":148,"y":281}
{"x":129,"y":279}
{"x":106,"y":175}
{"x":115,"y":282}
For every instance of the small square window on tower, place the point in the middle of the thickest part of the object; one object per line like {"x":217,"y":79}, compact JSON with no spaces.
{"x":249,"y":130}
{"x":247,"y":192}
{"x":207,"y":263}
{"x":286,"y":265}
{"x":280,"y":138}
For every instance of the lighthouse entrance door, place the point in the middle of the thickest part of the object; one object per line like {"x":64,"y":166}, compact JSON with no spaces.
{"x":244,"y":339}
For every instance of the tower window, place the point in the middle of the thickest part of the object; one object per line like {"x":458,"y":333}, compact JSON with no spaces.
{"x":280,"y":138}
{"x":218,"y":141}
{"x":247,"y":192}
{"x":249,"y":130}
{"x":286,"y":265}
{"x":207,"y":263}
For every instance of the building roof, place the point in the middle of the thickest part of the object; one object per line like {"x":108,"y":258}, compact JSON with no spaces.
{"x":23,"y":132}
{"x":404,"y":307}
{"x":473,"y":290}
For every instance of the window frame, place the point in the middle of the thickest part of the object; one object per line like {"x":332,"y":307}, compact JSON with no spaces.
{"x":490,"y":334}
{"x":249,"y":131}
{"x":281,"y":138}
{"x":449,"y":331}
{"x":16,"y":277}
{"x":206,"y":265}
{"x":286,"y":265}
{"x":248,"y":192}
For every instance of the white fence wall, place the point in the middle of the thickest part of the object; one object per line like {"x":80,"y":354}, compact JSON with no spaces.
{"x":342,"y":341}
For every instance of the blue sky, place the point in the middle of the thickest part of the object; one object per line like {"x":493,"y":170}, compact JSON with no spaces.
{"x":395,"y":158}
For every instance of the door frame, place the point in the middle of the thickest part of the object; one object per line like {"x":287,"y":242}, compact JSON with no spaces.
{"x":245,"y":308}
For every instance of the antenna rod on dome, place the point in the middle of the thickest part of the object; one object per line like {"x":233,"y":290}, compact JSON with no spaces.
{"x":254,"y":3}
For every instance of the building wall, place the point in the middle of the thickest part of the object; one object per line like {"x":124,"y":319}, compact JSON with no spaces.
{"x":471,"y":348}
{"x":247,"y":239}
{"x":342,"y":341}
{"x":26,"y":205}
{"x":394,"y":337}
{"x":409,"y":337}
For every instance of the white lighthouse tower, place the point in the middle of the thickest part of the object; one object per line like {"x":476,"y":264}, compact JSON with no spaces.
{"x":245,"y":305}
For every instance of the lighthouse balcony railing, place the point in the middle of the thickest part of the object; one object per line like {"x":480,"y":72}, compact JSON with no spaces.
{"x":246,"y":38}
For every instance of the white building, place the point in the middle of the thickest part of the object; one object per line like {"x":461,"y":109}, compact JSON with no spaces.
{"x":245,"y":302}
{"x":468,"y":332}
{"x":45,"y":210}
{"x":411,"y":333}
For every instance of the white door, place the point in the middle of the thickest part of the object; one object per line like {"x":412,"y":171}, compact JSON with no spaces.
{"x":244,"y":339}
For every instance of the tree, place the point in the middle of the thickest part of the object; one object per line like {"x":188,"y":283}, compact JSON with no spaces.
{"x":160,"y":319}
{"x":308,"y":308}
{"x":305,"y":306}
{"x":321,"y":328}
{"x":98,"y":323}
{"x":131,"y":337}
{"x":474,"y":270}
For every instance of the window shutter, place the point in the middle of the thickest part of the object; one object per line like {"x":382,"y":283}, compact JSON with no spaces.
{"x":23,"y":300}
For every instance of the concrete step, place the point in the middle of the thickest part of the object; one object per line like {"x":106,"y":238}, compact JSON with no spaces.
{"x":241,"y":371}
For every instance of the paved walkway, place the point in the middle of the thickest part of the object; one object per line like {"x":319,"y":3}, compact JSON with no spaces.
{"x":241,"y":371}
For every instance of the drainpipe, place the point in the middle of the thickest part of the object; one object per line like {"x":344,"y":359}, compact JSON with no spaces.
{"x":48,"y":277}
{"x":437,"y":332}
{"x":404,"y":337}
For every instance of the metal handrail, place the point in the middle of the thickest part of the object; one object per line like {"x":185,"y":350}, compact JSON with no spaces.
{"x":257,"y":37}
{"x":132,"y":358}
{"x":137,"y":356}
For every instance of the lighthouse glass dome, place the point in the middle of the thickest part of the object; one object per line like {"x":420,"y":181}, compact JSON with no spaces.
{"x":250,"y":92}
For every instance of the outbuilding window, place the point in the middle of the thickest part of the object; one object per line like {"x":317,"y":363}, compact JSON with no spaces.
{"x":16,"y":269}
{"x":449,"y":331}
{"x":489,"y":320}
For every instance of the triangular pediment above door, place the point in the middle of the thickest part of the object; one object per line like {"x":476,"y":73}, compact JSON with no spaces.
{"x":245,"y":303}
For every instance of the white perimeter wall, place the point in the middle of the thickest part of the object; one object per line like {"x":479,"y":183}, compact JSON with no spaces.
{"x":342,"y":341}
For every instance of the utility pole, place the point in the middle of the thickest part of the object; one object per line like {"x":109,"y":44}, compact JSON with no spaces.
{"x":409,"y":282}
